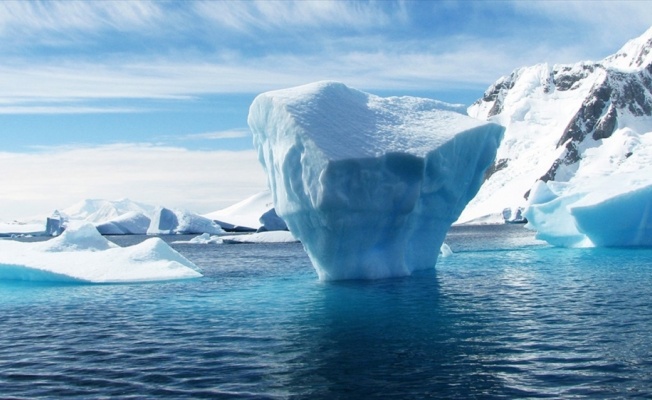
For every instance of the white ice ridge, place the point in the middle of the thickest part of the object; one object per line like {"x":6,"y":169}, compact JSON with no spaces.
{"x":81,"y":254}
{"x":369,"y":185}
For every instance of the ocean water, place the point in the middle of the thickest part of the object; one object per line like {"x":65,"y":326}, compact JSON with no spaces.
{"x":504,"y":317}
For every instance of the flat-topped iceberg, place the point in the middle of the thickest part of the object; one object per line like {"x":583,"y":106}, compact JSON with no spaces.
{"x":81,"y":254}
{"x":369,"y":185}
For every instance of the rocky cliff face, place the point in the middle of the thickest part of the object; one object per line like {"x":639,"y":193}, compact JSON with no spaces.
{"x":554,"y":115}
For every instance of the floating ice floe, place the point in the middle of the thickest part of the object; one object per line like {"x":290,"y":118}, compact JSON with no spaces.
{"x":369,"y":185}
{"x":261,"y":237}
{"x":81,"y":254}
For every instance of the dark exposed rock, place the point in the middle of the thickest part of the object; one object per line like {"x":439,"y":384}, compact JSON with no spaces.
{"x":606,"y":125}
{"x":588,"y":116}
{"x":496,"y":93}
{"x":570,"y":156}
{"x":567,"y":78}
{"x":497,"y":166}
{"x":597,"y":118}
{"x":635,"y":92}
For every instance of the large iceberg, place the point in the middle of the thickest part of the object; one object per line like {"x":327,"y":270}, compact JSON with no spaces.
{"x":369,"y":185}
{"x":81,"y":254}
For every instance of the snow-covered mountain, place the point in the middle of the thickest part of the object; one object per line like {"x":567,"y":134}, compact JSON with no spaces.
{"x":567,"y":125}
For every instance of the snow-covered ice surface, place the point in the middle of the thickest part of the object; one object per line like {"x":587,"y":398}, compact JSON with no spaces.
{"x":22,"y":228}
{"x":369,"y":185}
{"x":581,"y":127}
{"x":252,"y":213}
{"x":81,"y":254}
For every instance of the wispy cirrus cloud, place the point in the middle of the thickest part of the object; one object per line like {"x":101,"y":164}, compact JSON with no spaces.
{"x":181,"y":51}
{"x":260,"y":15}
{"x":30,"y":18}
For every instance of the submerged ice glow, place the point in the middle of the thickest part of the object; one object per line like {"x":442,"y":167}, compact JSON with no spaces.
{"x":369,"y":185}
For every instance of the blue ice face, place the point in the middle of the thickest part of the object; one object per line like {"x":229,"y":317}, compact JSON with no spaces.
{"x":375,"y":201}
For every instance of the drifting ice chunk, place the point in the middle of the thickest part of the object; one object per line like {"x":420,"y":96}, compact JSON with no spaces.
{"x":445,"y":250}
{"x":369,"y":185}
{"x":81,"y":254}
{"x":55,"y":224}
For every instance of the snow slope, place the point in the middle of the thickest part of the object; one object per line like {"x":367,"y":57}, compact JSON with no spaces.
{"x":582,"y":128}
{"x":369,"y":185}
{"x":251,"y":214}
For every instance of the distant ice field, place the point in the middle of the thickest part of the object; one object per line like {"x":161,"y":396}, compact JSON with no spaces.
{"x":505,"y":316}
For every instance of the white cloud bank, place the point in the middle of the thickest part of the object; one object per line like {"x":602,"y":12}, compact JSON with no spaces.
{"x":34,"y":184}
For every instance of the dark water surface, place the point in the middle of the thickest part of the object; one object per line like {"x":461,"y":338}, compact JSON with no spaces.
{"x":504,"y":317}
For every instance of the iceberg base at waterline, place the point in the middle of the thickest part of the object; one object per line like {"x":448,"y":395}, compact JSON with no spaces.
{"x":81,"y":254}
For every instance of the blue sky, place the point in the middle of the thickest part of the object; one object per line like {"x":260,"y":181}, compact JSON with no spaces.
{"x":113,"y":81}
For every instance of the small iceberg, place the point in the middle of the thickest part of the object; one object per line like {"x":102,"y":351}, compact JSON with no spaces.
{"x":445,"y":251}
{"x":81,"y":254}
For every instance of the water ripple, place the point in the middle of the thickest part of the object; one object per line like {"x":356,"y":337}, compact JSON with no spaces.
{"x":528,"y":321}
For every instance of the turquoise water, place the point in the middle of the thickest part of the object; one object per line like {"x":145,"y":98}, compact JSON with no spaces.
{"x":504,"y":317}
